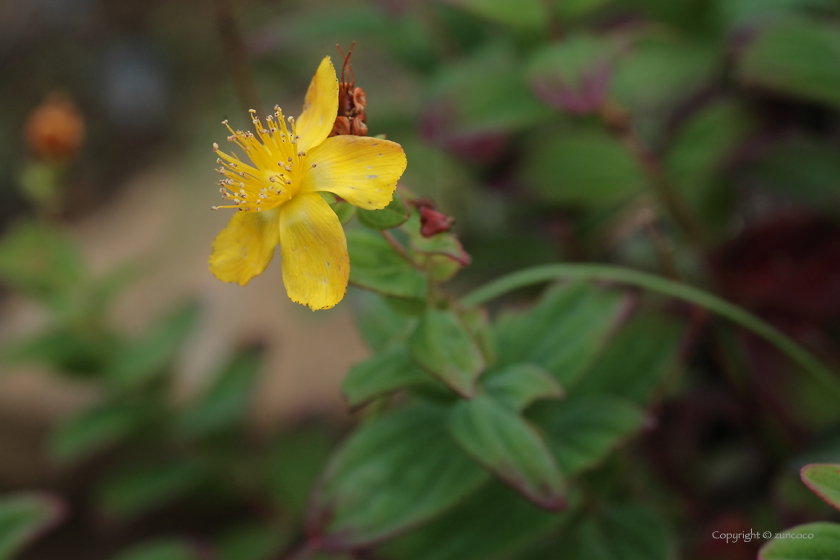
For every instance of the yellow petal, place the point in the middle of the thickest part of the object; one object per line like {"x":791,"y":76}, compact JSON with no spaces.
{"x":316,"y":265}
{"x":363,"y":171}
{"x":319,"y":108}
{"x":245,"y":247}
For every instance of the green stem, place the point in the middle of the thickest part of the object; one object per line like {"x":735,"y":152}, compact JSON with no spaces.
{"x":535,"y":275}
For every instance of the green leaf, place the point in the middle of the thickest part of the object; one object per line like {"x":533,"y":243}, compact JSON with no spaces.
{"x":381,"y":323}
{"x":163,"y":549}
{"x":797,"y":58}
{"x":657,"y":73}
{"x":636,"y":361}
{"x":97,"y":428}
{"x":39,"y":260}
{"x":225,"y":404}
{"x":444,"y":348}
{"x":749,"y":12}
{"x":704,"y":143}
{"x":585,"y":167}
{"x":477,"y":322}
{"x":519,"y":385}
{"x":574,"y":9}
{"x":486,"y":93}
{"x":493,"y":523}
{"x":500,"y":440}
{"x":296,"y":459}
{"x":138,"y":489}
{"x":389,"y":217}
{"x":581,"y":432}
{"x":388,"y":371}
{"x":824,"y":481}
{"x":813,"y":541}
{"x":376,"y":266}
{"x":626,"y":532}
{"x":802,"y":170}
{"x":575,"y":65}
{"x":392,"y":474}
{"x":345,"y":211}
{"x":151,"y":356}
{"x":563,"y":333}
{"x":65,"y":350}
{"x":520,"y":14}
{"x":23,"y":517}
{"x":255,"y":541}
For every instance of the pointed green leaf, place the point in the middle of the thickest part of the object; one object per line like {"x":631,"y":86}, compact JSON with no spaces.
{"x":587,"y":167}
{"x":798,"y":58}
{"x":519,"y":385}
{"x":153,"y":354}
{"x":392,"y":474}
{"x":389,"y":217}
{"x":385,"y":372}
{"x":563,"y":333}
{"x":381,"y":324}
{"x":23,"y":517}
{"x":442,"y":345}
{"x":626,"y":532}
{"x":96,"y":429}
{"x":500,"y":440}
{"x":495,"y":522}
{"x":64,"y":350}
{"x":477,"y":321}
{"x":164,"y":549}
{"x":581,"y":432}
{"x":635,"y":363}
{"x":226,"y":403}
{"x":824,"y":481}
{"x":138,"y":489}
{"x":376,"y":266}
{"x":813,"y":541}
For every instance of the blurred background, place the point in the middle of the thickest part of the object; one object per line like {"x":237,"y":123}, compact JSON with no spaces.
{"x":698,"y":139}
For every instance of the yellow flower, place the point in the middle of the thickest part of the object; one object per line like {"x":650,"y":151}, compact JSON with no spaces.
{"x":277,"y":195}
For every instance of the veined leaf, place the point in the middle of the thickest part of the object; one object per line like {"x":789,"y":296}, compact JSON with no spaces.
{"x":376,"y":266}
{"x":813,"y":541}
{"x":519,"y":385}
{"x":442,"y":345}
{"x":824,"y":481}
{"x":563,"y":333}
{"x":392,"y":474}
{"x":500,"y":440}
{"x":581,"y":432}
{"x":385,"y":372}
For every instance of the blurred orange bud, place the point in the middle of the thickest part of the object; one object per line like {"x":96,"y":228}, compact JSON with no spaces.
{"x":55,"y":129}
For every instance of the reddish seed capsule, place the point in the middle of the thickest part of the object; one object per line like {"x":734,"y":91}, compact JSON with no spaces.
{"x":352,"y":101}
{"x":431,"y":221}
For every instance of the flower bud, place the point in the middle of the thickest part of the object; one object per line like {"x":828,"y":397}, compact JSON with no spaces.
{"x":55,"y":129}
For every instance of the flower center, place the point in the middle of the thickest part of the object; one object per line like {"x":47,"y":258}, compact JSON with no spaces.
{"x":276,"y":169}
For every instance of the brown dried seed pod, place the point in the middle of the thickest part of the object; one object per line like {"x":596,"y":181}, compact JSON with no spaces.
{"x":359,"y":98}
{"x":341,"y":126}
{"x":360,"y":115}
{"x":359,"y":127}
